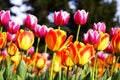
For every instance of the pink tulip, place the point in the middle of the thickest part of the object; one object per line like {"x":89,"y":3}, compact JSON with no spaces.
{"x":100,"y":26}
{"x":31,"y":50}
{"x":13,"y":27}
{"x":113,"y":31}
{"x":109,"y":49}
{"x":102,"y":55}
{"x":11,"y":37}
{"x":4,"y":17}
{"x":30,"y":21}
{"x":61,"y":18}
{"x":40,"y":31}
{"x":91,"y":36}
{"x":80,"y":17}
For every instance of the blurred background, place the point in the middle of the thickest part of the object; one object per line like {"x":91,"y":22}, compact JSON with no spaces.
{"x":99,"y":10}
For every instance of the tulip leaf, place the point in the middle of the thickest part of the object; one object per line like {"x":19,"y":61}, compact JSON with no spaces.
{"x":1,"y":74}
{"x":116,"y":76}
{"x":22,"y":69}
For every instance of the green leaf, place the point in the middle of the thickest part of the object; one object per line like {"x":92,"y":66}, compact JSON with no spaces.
{"x":1,"y":74}
{"x":22,"y":69}
{"x":116,"y":76}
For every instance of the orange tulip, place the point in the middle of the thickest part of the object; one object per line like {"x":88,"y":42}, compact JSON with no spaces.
{"x":38,"y":60}
{"x":116,"y":42}
{"x":3,"y":39}
{"x":25,"y":39}
{"x":55,"y":39}
{"x":12,"y":49}
{"x":103,"y":42}
{"x":86,"y":54}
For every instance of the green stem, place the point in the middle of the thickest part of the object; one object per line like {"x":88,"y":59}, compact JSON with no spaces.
{"x":45,"y":50}
{"x":78,"y":31}
{"x":51,"y":72}
{"x":1,"y":28}
{"x":76,"y":75}
{"x":59,"y":27}
{"x":37,"y":45}
{"x":67,"y":73}
{"x":94,"y":72}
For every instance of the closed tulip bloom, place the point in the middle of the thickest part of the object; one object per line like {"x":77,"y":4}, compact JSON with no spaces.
{"x":13,"y":27}
{"x":103,"y":42}
{"x":55,"y":39}
{"x":100,"y":26}
{"x":109,"y":48}
{"x":102,"y":55}
{"x":4,"y":17}
{"x":30,"y":21}
{"x":113,"y":31}
{"x":11,"y":37}
{"x":31,"y":50}
{"x":80,"y":17}
{"x":40,"y":30}
{"x":61,"y":18}
{"x":116,"y":42}
{"x":25,"y":39}
{"x":91,"y":37}
{"x":3,"y":39}
{"x":12,"y":49}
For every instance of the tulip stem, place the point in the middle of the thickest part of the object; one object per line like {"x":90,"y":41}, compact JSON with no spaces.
{"x":59,"y":27}
{"x":37,"y":45}
{"x":45,"y":50}
{"x":76,"y":75}
{"x":1,"y":28}
{"x":51,"y":71}
{"x":67,"y":73}
{"x":78,"y":31}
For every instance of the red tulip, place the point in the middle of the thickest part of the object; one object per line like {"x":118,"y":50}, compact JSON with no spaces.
{"x":3,"y":39}
{"x":61,"y":18}
{"x":80,"y":17}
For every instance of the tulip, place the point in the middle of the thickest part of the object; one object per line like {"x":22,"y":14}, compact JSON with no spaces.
{"x":30,"y":21}
{"x":66,"y":57}
{"x":11,"y":37}
{"x":12,"y":49}
{"x":38,"y":60}
{"x":100,"y":26}
{"x":3,"y":39}
{"x":103,"y":42}
{"x":102,"y":55}
{"x":13,"y":27}
{"x":116,"y":42}
{"x":25,"y":39}
{"x":55,"y":39}
{"x":91,"y":37}
{"x":40,"y":31}
{"x":109,"y":48}
{"x":113,"y":31}
{"x":4,"y":17}
{"x":61,"y":18}
{"x":31,"y":50}
{"x":80,"y":17}
{"x":86,"y":54}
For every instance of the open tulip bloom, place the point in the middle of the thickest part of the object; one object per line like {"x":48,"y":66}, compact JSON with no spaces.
{"x":63,"y":58}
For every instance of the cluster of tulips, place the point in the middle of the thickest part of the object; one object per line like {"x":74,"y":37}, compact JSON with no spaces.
{"x":95,"y":58}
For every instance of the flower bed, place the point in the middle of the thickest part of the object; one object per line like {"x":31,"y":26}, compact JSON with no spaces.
{"x":96,"y":58}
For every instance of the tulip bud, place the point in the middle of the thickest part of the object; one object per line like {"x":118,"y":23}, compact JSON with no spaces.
{"x":102,"y":55}
{"x":30,"y":21}
{"x":31,"y":50}
{"x":80,"y":17}
{"x":61,"y":18}
{"x":13,"y":27}
{"x":12,"y":49}
{"x":100,"y":26}
{"x":4,"y":17}
{"x":11,"y":37}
